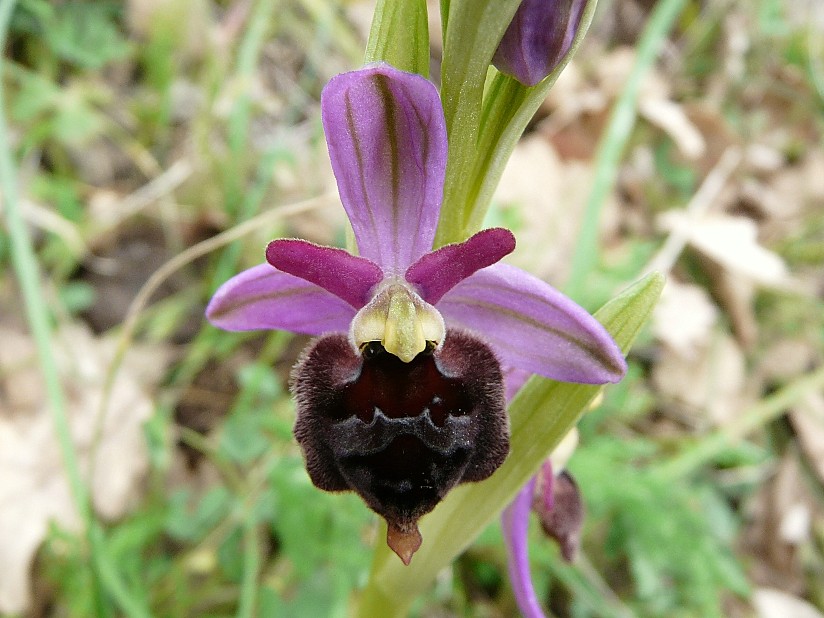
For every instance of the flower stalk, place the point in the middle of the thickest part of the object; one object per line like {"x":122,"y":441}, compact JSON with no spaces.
{"x":483,"y":140}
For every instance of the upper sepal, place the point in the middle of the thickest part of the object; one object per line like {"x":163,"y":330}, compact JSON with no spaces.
{"x":387,"y":142}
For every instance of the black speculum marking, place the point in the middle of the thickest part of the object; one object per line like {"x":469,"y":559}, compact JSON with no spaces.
{"x":399,"y":434}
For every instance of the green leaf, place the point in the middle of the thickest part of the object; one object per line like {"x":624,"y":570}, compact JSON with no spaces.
{"x":542,"y":413}
{"x":400,"y":36}
{"x":187,"y":524}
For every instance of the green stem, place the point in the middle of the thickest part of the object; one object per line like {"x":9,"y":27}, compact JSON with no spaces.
{"x":251,"y":565}
{"x":477,"y":158}
{"x":614,"y":141}
{"x":110,"y":575}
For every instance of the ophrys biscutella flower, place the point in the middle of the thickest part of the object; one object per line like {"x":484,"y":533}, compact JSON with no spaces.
{"x":401,"y":397}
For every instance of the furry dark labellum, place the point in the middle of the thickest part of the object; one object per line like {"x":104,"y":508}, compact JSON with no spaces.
{"x":401,"y":435}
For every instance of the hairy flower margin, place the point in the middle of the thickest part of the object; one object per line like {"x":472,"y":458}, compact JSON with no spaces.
{"x":401,"y":396}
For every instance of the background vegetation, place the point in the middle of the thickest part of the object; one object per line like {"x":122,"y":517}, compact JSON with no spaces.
{"x":151,"y":150}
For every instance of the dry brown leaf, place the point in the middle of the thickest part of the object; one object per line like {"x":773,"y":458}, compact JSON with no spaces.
{"x":780,"y":518}
{"x":33,"y":486}
{"x":671,"y":118}
{"x":788,"y":358}
{"x":736,"y":296}
{"x":791,"y":190}
{"x":730,"y":241}
{"x":684,"y":318}
{"x":772,"y":603}
{"x":574,"y":103}
{"x":709,"y":385}
{"x":548,"y":196}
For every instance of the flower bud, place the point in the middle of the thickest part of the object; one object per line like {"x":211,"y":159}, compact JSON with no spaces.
{"x":537,"y":39}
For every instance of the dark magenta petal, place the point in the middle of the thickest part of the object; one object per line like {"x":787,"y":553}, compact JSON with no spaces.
{"x":532,"y":326}
{"x":539,"y":36}
{"x":515,"y":522}
{"x":345,"y":275}
{"x":387,"y":141}
{"x":399,"y":434}
{"x":265,"y":298}
{"x":439,"y":271}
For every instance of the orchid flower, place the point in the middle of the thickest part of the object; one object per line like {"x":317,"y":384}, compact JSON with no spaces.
{"x":539,"y":36}
{"x":401,"y":395}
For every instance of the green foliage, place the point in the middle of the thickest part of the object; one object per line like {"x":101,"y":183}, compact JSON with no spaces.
{"x":673,"y":537}
{"x":65,"y":115}
{"x":65,"y":559}
{"x":324,"y":542}
{"x":247,"y":432}
{"x":677,"y":175}
{"x":83,"y":33}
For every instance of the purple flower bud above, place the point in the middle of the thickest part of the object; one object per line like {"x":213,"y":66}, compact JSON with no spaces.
{"x":539,"y":36}
{"x":401,"y":396}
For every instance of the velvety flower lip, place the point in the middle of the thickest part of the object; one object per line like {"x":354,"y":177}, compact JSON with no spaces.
{"x":429,"y":327}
